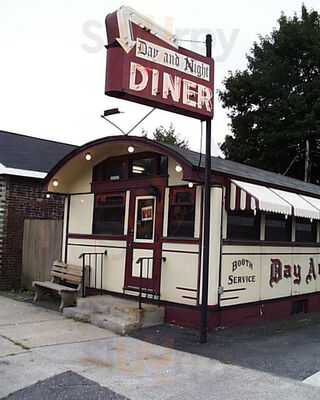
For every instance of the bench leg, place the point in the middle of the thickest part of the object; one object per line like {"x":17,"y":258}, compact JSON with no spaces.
{"x":37,"y":294}
{"x":67,"y":299}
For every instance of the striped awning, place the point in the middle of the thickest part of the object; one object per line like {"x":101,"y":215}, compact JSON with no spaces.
{"x":249,"y":196}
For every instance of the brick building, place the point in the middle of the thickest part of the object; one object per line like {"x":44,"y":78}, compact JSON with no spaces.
{"x":24,"y":162}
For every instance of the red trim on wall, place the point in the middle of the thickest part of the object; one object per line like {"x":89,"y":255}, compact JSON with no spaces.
{"x":96,"y":237}
{"x":228,"y":242}
{"x":180,"y":241}
{"x":126,"y":184}
{"x":244,"y":314}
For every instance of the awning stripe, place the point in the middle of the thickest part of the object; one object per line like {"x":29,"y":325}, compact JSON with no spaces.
{"x":253,"y":197}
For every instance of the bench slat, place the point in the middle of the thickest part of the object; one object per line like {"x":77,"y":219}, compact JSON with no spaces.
{"x":54,"y":286}
{"x":66,"y":277}
{"x":75,"y":268}
{"x":67,"y":271}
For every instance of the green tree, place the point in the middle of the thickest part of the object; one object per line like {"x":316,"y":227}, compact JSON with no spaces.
{"x":169,"y":136}
{"x":274,"y":104}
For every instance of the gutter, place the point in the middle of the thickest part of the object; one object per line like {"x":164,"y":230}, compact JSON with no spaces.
{"x":21,"y":172}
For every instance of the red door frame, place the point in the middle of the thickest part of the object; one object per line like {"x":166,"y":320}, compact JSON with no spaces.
{"x":156,"y":246}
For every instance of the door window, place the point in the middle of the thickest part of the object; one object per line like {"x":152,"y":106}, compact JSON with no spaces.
{"x":145,"y":212}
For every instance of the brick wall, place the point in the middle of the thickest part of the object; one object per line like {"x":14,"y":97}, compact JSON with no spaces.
{"x":23,"y":199}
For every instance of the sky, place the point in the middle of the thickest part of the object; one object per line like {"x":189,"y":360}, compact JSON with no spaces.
{"x":52,"y":62}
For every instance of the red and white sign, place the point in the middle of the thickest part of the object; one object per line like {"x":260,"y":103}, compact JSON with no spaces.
{"x":145,"y":65}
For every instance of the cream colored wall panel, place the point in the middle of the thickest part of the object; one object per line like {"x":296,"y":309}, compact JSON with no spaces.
{"x":64,"y":232}
{"x":114,"y":269}
{"x":75,"y":251}
{"x":179,"y":270}
{"x":308,"y":264}
{"x":81,"y":214}
{"x":234,"y":249}
{"x":240,"y":279}
{"x":166,"y":212}
{"x":110,"y":243}
{"x":146,"y":272}
{"x":274,"y":267}
{"x":82,"y":182}
{"x":181,"y":247}
{"x":175,"y":178}
{"x":126,"y":214}
{"x":215,"y":241}
{"x":225,"y":217}
{"x":198,"y":207}
{"x":284,"y":271}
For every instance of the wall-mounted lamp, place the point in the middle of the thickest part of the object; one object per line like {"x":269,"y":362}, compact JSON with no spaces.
{"x":48,"y":195}
{"x":190,"y":184}
{"x":178,"y":168}
{"x":55,"y":183}
{"x":131,"y":149}
{"x":88,"y":156}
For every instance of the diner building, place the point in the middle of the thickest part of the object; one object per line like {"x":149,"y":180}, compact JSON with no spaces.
{"x":139,"y":205}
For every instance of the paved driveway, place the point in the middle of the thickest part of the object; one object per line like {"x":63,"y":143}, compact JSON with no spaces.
{"x":38,"y":344}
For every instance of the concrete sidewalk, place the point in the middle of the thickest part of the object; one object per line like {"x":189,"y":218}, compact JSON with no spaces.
{"x":36,"y":344}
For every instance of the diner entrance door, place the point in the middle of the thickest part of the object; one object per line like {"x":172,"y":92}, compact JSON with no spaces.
{"x":143,"y":261}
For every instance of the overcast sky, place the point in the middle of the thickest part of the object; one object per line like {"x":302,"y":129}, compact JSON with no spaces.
{"x":52,"y":61}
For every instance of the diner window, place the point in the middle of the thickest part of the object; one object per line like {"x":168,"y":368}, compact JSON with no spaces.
{"x":306,"y":230}
{"x":243,"y":225}
{"x":150,"y":165}
{"x":131,"y":167}
{"x":109,"y":214}
{"x":112,"y":169}
{"x":181,"y":213}
{"x":278,"y":228}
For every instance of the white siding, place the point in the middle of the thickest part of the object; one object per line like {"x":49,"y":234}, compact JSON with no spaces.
{"x":81,"y":213}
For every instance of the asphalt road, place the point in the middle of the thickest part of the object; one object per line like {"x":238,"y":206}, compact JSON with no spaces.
{"x":65,"y":386}
{"x":286,"y":348}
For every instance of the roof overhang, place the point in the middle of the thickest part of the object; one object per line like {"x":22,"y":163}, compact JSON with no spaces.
{"x":21,"y":172}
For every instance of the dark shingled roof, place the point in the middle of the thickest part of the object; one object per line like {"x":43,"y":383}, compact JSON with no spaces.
{"x":242,"y":171}
{"x":30,"y":153}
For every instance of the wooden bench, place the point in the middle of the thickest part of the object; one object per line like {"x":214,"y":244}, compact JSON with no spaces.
{"x":66,"y":282}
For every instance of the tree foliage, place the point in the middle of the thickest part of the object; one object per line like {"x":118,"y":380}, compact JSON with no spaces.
{"x":274,"y":104}
{"x":169,"y":136}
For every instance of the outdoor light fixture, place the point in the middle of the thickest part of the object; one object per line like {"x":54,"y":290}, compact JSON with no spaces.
{"x":88,"y":156}
{"x":131,"y":149}
{"x":178,"y":168}
{"x":190,"y":184}
{"x":48,"y":195}
{"x":55,"y":182}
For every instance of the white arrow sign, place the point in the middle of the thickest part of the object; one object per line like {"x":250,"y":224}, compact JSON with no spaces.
{"x":126,"y":16}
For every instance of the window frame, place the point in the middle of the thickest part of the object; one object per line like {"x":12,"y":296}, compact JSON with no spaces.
{"x":137,"y":199}
{"x":174,"y":203}
{"x":113,"y":194}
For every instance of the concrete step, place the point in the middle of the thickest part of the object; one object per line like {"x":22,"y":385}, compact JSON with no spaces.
{"x":116,"y":314}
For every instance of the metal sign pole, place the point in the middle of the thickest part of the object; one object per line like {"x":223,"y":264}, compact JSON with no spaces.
{"x":206,"y":229}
